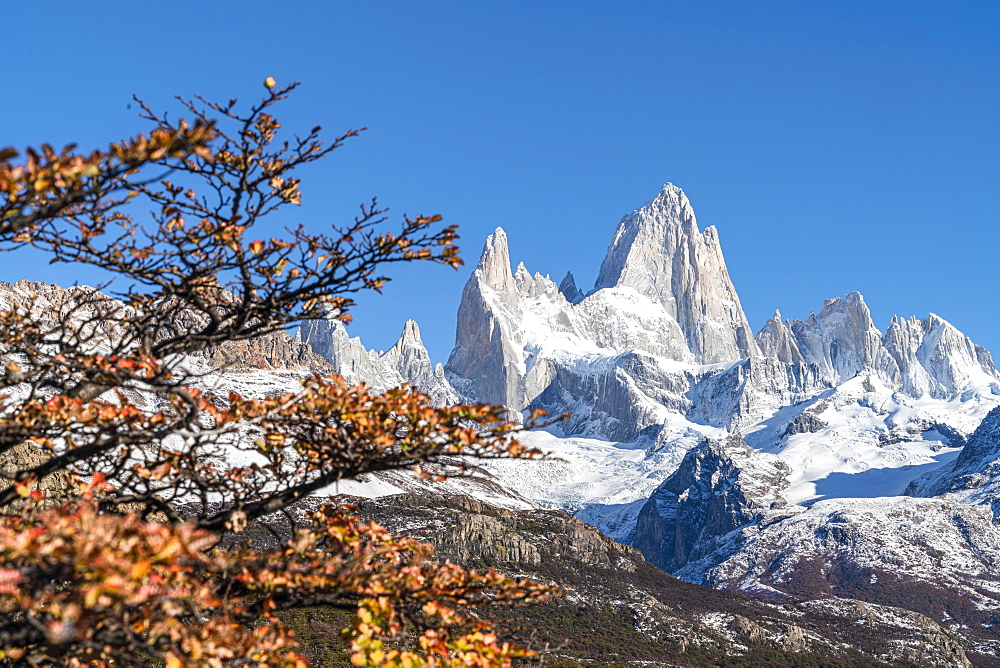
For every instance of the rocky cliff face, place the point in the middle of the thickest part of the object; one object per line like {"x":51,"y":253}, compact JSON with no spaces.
{"x":841,"y":339}
{"x":54,"y":305}
{"x":775,"y":339}
{"x":933,"y":358}
{"x":487,"y":364}
{"x":273,"y":351}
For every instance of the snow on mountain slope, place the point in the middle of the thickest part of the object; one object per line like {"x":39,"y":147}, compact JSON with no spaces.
{"x":723,"y":519}
{"x":862,"y":438}
{"x":850,"y":410}
{"x":604,"y":482}
{"x":841,"y":546}
{"x":272,"y":365}
{"x":974,"y":476}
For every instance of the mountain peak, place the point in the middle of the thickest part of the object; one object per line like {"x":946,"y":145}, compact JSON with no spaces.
{"x":670,"y":193}
{"x":658,"y":251}
{"x":775,"y":339}
{"x":852,"y":303}
{"x":569,"y":289}
{"x":411,"y":332}
{"x":494,"y":263}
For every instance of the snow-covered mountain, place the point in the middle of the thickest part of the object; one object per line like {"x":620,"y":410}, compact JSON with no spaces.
{"x":723,"y":519}
{"x":663,"y":333}
{"x":769,"y":463}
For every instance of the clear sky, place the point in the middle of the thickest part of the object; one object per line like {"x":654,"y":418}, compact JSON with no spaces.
{"x":836,"y":146}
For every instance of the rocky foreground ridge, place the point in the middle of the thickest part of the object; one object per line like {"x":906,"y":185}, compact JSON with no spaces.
{"x":619,"y":610}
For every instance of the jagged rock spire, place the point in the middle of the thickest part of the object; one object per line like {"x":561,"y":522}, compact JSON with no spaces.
{"x":927,"y":357}
{"x":775,"y":339}
{"x":487,"y":356}
{"x":842,"y":339}
{"x":569,"y":290}
{"x":659,"y":252}
{"x":934,"y":358}
{"x":494,"y":263}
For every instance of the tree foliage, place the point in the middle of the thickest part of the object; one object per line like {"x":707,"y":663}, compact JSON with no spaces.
{"x":122,"y":564}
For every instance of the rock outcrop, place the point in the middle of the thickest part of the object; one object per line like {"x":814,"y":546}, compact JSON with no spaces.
{"x":776,"y":339}
{"x":617,"y":609}
{"x":85,"y":314}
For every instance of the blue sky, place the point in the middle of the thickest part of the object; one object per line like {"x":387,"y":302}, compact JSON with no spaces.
{"x":836,"y":146}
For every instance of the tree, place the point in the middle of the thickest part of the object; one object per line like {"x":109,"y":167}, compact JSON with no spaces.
{"x":119,"y":561}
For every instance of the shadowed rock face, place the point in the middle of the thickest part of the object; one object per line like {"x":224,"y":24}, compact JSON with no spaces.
{"x":569,"y":290}
{"x":718,"y":489}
